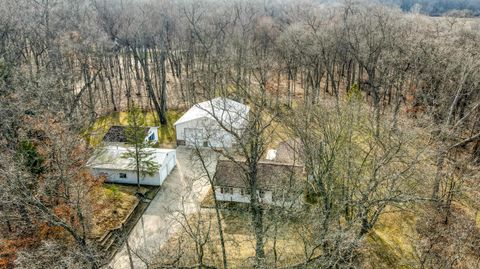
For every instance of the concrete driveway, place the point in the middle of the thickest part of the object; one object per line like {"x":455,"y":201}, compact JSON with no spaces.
{"x":186,"y":184}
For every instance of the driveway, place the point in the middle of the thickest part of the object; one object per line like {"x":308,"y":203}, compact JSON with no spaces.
{"x":187,"y":183}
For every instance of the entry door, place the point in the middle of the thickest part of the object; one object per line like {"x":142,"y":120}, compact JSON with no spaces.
{"x":194,"y":137}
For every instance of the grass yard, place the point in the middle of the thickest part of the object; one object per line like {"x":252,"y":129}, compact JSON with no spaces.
{"x":239,"y":241}
{"x":478,"y":218}
{"x":208,"y":201}
{"x":389,"y":245}
{"x":279,"y":134}
{"x":112,"y":204}
{"x":390,"y":242}
{"x":166,"y":136}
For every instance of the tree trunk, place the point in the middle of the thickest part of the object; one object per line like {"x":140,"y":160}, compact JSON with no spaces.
{"x":148,"y":81}
{"x":256,"y":211}
{"x":438,"y":175}
{"x":257,"y":219}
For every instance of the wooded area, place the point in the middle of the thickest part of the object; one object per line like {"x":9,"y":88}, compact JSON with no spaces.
{"x":440,"y":7}
{"x":385,"y":104}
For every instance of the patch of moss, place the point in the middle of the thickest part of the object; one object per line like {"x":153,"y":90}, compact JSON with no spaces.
{"x":390,"y":244}
{"x":166,"y":133}
{"x":478,"y":219}
{"x":382,"y":251}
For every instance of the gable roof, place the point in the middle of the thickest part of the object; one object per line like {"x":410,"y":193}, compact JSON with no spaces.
{"x":116,"y":133}
{"x":226,"y":110}
{"x":111,"y":157}
{"x":269,"y":176}
{"x":290,"y":151}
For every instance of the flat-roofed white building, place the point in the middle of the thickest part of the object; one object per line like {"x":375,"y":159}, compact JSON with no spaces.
{"x":110,"y":163}
{"x":212,"y":123}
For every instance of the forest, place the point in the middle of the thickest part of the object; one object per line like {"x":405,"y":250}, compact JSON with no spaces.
{"x":383,"y":105}
{"x":440,"y":7}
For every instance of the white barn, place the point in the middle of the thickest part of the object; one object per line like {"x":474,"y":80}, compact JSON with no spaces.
{"x":204,"y":123}
{"x":110,"y":163}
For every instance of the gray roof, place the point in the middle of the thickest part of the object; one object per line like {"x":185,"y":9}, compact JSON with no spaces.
{"x":116,"y":133}
{"x":270,"y":174}
{"x":290,"y":151}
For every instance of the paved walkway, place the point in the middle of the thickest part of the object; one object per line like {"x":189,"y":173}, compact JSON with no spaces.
{"x":186,"y":183}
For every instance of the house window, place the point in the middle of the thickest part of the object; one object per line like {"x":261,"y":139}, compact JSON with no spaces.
{"x":123,"y":175}
{"x":242,"y":191}
{"x":230,"y":190}
{"x":222,"y":191}
{"x":205,"y":143}
{"x":151,"y":137}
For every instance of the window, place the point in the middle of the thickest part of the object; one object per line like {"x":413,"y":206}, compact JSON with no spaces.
{"x":123,"y":175}
{"x":205,"y":143}
{"x":151,"y":137}
{"x":226,"y":190}
{"x":242,"y":191}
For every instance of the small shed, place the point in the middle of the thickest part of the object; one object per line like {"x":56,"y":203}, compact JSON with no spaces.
{"x":211,"y":123}
{"x":110,"y":163}
{"x":116,"y":134}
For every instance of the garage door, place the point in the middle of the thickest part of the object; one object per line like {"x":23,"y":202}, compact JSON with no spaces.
{"x":194,"y":137}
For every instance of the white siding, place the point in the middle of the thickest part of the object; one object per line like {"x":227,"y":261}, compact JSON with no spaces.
{"x":236,"y":195}
{"x":163,"y":174}
{"x":208,"y":130}
{"x":180,"y":128}
{"x":113,"y":175}
{"x":171,"y":163}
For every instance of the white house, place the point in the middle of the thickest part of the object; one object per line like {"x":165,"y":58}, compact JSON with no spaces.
{"x":110,"y":163}
{"x":116,"y":135}
{"x":277,"y":183}
{"x":211,"y":123}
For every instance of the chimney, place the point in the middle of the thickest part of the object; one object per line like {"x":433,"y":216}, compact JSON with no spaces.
{"x":271,"y":155}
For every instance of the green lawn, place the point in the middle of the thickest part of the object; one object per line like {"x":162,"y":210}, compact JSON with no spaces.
{"x":166,"y":136}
